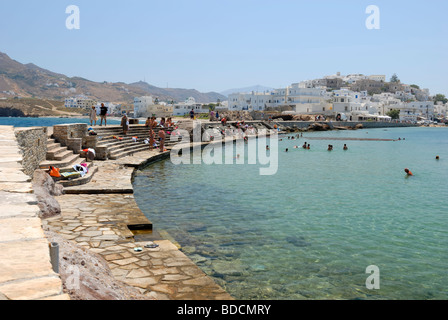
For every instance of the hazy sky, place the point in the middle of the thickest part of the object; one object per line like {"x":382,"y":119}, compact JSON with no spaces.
{"x":217,"y":45}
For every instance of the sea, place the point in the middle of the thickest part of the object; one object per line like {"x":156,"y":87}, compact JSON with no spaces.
{"x":341,"y":224}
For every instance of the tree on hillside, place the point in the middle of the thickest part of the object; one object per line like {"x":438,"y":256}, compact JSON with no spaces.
{"x":394,"y":114}
{"x":440,"y":97}
{"x":415,"y":86}
{"x":394,"y":78}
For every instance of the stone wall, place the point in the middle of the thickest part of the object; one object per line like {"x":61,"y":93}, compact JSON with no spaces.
{"x":33,"y":146}
{"x":74,"y":136}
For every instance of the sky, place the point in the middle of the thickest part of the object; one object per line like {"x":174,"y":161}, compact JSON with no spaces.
{"x":212,"y":45}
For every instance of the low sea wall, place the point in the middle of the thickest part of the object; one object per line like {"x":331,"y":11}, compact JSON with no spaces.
{"x":351,"y":124}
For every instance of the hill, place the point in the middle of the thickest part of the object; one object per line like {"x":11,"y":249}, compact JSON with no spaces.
{"x":31,"y":81}
{"x":33,"y":107}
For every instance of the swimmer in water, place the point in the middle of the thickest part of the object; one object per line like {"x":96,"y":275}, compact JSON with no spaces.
{"x":267,"y":147}
{"x":304,"y":145}
{"x":408,"y":172}
{"x":345,"y":147}
{"x":286,"y":150}
{"x":437,"y":158}
{"x":308,"y":146}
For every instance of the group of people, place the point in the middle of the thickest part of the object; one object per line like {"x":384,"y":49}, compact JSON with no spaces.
{"x":307,"y":146}
{"x":214,"y":116}
{"x":94,"y":117}
{"x":152,"y":123}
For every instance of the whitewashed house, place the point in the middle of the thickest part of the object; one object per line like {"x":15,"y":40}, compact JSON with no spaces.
{"x":184,"y":108}
{"x":146,"y":106}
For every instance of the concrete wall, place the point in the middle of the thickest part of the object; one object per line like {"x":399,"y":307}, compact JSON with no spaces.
{"x":32,"y":143}
{"x":366,"y":124}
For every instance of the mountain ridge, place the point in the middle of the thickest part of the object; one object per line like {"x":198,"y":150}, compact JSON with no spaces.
{"x":30,"y":80}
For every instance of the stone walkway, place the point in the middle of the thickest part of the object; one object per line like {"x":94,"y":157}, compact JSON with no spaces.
{"x":25,"y":269}
{"x":97,"y":215}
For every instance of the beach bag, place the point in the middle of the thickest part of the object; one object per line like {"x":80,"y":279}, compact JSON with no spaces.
{"x":54,"y":172}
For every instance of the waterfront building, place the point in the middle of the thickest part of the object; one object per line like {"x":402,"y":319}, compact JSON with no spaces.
{"x":309,"y":100}
{"x":128,"y":109}
{"x":253,"y":101}
{"x":184,"y":108}
{"x":440,"y":110}
{"x":81,"y":102}
{"x":146,"y":106}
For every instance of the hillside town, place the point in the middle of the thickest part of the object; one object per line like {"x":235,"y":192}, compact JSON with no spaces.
{"x":353,"y":97}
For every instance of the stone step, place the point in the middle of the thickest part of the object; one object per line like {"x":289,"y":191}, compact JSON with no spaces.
{"x":55,"y":151}
{"x":62,"y":155}
{"x":121,"y":153}
{"x":68,"y":161}
{"x":52,"y":146}
{"x":130,"y":149}
{"x":81,"y":180}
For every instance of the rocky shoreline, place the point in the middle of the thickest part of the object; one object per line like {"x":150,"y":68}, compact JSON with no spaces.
{"x":93,"y":229}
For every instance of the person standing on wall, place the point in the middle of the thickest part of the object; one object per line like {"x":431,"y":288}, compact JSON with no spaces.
{"x":103,"y":114}
{"x":125,"y":124}
{"x":93,"y":117}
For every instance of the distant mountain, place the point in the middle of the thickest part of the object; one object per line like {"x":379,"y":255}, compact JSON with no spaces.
{"x":256,"y":88}
{"x":178,"y":94}
{"x":29,"y":80}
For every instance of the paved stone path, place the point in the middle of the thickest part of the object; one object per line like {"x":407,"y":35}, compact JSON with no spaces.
{"x":25,"y":269}
{"x":96,"y":216}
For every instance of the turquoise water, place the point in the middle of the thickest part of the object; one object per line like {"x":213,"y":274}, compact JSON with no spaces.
{"x":311,"y":230}
{"x":45,"y":122}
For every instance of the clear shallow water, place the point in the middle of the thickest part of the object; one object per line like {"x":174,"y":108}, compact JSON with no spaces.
{"x":311,"y":230}
{"x":44,"y":122}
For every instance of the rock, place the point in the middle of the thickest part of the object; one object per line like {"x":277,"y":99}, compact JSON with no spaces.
{"x":318,"y":127}
{"x":45,"y":190}
{"x":359,"y":126}
{"x":86,"y":275}
{"x":298,"y":241}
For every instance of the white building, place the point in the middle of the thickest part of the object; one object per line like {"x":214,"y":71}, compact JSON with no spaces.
{"x":183,"y":108}
{"x":347,"y":101}
{"x":81,"y":102}
{"x":146,"y":106}
{"x":440,"y":110}
{"x":308,"y":100}
{"x":251,"y":101}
